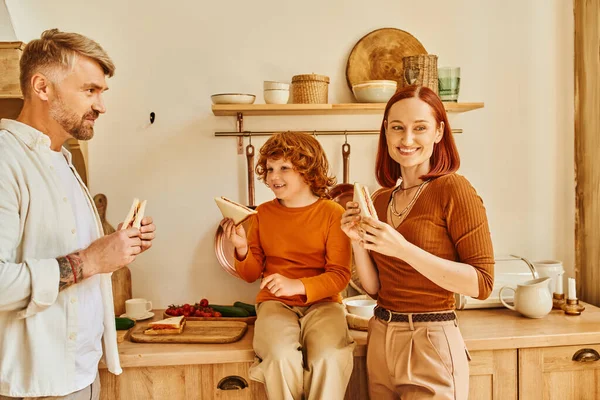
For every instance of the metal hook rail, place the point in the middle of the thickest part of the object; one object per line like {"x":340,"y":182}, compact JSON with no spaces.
{"x":241,"y":133}
{"x":315,"y":132}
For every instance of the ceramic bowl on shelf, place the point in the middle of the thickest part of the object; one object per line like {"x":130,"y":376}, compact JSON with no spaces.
{"x":233,"y":98}
{"x":361,"y":307}
{"x":270,"y":85}
{"x":276,"y":96}
{"x":378,"y":91}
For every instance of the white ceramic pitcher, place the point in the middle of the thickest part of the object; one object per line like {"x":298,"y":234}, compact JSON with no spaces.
{"x":532,"y":298}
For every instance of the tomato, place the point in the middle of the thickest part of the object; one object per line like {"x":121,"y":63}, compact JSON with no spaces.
{"x":198,"y":313}
{"x":217,"y":314}
{"x":204,"y":303}
{"x":186,"y":307}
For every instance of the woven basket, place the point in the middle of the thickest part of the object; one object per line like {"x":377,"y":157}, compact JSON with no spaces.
{"x":420,"y":70}
{"x":310,"y":89}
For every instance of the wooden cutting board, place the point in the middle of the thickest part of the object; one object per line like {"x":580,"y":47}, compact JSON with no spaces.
{"x":121,"y":278}
{"x":378,"y":55}
{"x":195,"y":332}
{"x":123,"y":335}
{"x":248,"y":320}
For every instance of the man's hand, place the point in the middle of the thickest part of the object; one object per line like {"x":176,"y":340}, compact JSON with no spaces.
{"x":111,"y":252}
{"x":281,"y":286}
{"x":147,"y":233}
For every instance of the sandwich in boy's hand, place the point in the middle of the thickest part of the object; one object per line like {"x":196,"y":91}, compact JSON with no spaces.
{"x":136,"y":213}
{"x":363,"y":198}
{"x":237,"y":212}
{"x":169,"y":326}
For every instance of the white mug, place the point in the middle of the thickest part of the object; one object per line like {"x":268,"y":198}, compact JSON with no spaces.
{"x":137,"y":308}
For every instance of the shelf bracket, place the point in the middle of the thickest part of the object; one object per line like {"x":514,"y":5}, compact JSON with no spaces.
{"x":240,"y":129}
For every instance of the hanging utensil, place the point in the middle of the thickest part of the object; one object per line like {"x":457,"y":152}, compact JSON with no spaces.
{"x":250,"y":165}
{"x":344,"y":192}
{"x":224,"y":249}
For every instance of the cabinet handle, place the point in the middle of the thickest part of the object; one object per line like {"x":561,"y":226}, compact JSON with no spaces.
{"x":232,"y":383}
{"x":586,"y":355}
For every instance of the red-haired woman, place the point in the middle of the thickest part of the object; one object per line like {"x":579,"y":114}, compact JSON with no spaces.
{"x":431,"y":240}
{"x":301,"y":339}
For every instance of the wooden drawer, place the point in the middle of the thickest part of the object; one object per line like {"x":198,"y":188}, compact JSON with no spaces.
{"x":565,"y":372}
{"x":10,"y":54}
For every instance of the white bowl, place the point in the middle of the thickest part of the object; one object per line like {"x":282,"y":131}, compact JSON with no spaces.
{"x":276,"y":96}
{"x":363,"y":308}
{"x":276,"y":85}
{"x":374,"y":91}
{"x":233,"y":98}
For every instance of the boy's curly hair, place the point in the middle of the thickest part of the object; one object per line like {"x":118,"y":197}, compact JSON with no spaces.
{"x":306,"y":155}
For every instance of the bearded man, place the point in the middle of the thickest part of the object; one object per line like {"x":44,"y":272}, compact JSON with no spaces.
{"x":56,"y":307}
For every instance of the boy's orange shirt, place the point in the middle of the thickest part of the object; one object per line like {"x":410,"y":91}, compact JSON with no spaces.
{"x":305,"y":243}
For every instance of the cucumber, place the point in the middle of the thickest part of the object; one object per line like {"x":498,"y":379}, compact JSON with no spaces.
{"x":248,"y":307}
{"x":230,"y":311}
{"x":124,"y":323}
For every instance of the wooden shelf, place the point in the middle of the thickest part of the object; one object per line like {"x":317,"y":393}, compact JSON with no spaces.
{"x":10,"y":96}
{"x":322,"y":109}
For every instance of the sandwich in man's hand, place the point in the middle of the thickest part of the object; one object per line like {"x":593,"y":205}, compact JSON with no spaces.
{"x":135,"y":215}
{"x":169,"y":326}
{"x":230,"y":209}
{"x":363,"y":198}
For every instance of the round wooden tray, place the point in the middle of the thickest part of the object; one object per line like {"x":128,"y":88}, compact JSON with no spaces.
{"x":378,"y":55}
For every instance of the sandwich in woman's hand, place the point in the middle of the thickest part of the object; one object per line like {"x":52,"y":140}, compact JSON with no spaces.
{"x":135,"y":215}
{"x":363,"y":198}
{"x":237,"y":212}
{"x":169,"y":326}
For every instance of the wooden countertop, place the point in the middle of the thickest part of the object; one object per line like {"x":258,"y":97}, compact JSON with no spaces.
{"x":489,"y":329}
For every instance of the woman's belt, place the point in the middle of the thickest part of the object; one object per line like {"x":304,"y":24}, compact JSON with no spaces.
{"x":390,"y":316}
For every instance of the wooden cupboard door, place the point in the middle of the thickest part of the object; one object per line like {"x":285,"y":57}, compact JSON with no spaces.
{"x":560,"y":373}
{"x":357,"y":387}
{"x":182,"y":382}
{"x":493,"y":375}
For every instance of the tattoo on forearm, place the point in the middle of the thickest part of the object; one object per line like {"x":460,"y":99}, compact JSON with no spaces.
{"x":71,"y":270}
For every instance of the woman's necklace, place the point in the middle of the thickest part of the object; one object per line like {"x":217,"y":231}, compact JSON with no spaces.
{"x":412,"y":201}
{"x":408,"y":188}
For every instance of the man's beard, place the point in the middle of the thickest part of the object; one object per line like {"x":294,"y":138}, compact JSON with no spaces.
{"x":71,"y":123}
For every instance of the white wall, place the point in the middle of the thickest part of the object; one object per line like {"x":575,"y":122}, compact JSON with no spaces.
{"x":7,"y":33}
{"x":515,"y":55}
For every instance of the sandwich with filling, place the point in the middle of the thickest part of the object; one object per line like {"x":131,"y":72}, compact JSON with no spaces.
{"x":363,"y":198}
{"x":236,"y":211}
{"x":135,"y":215}
{"x":168,"y":326}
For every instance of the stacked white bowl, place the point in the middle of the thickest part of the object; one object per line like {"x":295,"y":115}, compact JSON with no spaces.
{"x":276,"y":92}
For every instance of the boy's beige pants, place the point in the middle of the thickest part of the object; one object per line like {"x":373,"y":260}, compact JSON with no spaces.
{"x":302,"y":352}
{"x":421,"y":360}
